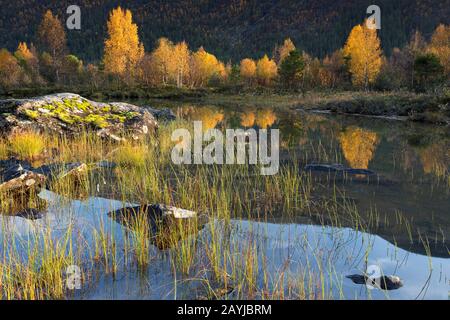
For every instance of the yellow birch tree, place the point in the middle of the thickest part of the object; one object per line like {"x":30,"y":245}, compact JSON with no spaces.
{"x":363,"y":48}
{"x":123,"y":50}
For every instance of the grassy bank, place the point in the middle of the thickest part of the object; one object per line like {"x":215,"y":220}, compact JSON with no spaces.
{"x":429,"y":108}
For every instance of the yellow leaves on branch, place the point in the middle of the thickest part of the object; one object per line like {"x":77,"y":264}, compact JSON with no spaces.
{"x":363,"y":47}
{"x":358,"y":146}
{"x":122,"y":48}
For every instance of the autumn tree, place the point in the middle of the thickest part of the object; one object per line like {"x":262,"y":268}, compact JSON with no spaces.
{"x":440,"y":46}
{"x":163,"y":59}
{"x":336,"y":67}
{"x":204,"y":67}
{"x":52,"y":39}
{"x":123,"y":50}
{"x":10,"y":71}
{"x":181,"y":57}
{"x":248,"y":69}
{"x":266,"y":70}
{"x":291,"y":69}
{"x":283,"y":52}
{"x":51,"y":35}
{"x":28,"y":60}
{"x":363,"y":48}
{"x":149,"y":73}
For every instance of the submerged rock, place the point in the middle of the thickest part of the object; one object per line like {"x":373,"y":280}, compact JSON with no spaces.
{"x":384,"y":282}
{"x":162,"y":114}
{"x":166,"y":223}
{"x":71,"y":113}
{"x":62,"y":170}
{"x":339,"y":168}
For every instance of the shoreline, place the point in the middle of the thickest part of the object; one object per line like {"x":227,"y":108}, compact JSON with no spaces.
{"x":402,"y":105}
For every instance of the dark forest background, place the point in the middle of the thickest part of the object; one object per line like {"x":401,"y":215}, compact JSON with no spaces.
{"x":231,"y":29}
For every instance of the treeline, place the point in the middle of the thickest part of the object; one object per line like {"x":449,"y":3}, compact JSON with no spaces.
{"x":232,"y":29}
{"x":360,"y":64}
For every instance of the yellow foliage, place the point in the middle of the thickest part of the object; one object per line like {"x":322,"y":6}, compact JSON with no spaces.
{"x":163,"y":57}
{"x":122,"y":48}
{"x":266,"y":70}
{"x":10,"y":70}
{"x":181,"y":56}
{"x":440,"y":45}
{"x":248,"y":69}
{"x":282,"y":52}
{"x":248,"y":119}
{"x":23,"y":52}
{"x":204,"y":67}
{"x":210,"y":117}
{"x":265,"y":118}
{"x":358,"y":146}
{"x":363,"y":47}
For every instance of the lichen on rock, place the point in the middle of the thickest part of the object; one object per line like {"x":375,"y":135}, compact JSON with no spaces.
{"x":71,"y":113}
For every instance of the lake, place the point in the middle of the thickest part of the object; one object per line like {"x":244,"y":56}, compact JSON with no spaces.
{"x":397,"y":218}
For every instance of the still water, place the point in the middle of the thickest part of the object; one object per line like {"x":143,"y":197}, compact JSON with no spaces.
{"x":411,"y":161}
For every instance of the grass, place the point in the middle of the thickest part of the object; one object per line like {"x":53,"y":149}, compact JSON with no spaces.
{"x":227,"y":256}
{"x":27,"y":145}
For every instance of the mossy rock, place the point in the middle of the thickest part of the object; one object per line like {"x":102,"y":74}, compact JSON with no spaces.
{"x":67,"y":112}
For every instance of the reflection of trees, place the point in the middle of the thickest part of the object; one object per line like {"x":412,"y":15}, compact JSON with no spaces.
{"x":248,"y":119}
{"x":358,"y":146}
{"x":435,"y":159}
{"x":265,"y":118}
{"x":210,"y":117}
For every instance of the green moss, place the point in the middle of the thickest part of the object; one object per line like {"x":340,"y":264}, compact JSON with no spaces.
{"x":97,"y":120}
{"x":32,"y":114}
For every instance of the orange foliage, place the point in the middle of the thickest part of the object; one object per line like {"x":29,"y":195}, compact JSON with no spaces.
{"x":358,"y":146}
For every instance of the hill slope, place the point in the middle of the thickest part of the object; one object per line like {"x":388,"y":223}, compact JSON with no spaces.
{"x":232,"y":29}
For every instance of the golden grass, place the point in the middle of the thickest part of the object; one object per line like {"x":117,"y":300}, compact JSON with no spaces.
{"x":27,"y":145}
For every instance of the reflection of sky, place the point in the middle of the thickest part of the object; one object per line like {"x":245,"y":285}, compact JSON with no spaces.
{"x":338,"y":252}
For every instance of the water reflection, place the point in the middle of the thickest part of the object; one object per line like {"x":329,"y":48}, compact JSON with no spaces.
{"x":358,"y":146}
{"x":324,"y":255}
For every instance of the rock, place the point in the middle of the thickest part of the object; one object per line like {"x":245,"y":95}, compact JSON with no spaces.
{"x":16,"y":177}
{"x":384,"y":282}
{"x":68,"y":113}
{"x":105,"y":164}
{"x":339,"y":168}
{"x":30,"y":214}
{"x":162,"y":114}
{"x":166,"y":223}
{"x":62,"y":170}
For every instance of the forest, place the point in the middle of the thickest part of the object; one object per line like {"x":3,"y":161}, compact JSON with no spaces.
{"x":359,"y":64}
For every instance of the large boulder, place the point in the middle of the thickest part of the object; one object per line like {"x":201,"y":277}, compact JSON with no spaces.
{"x":71,"y":113}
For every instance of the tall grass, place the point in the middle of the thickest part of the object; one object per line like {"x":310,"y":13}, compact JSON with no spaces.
{"x":27,"y":145}
{"x":226,"y":194}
